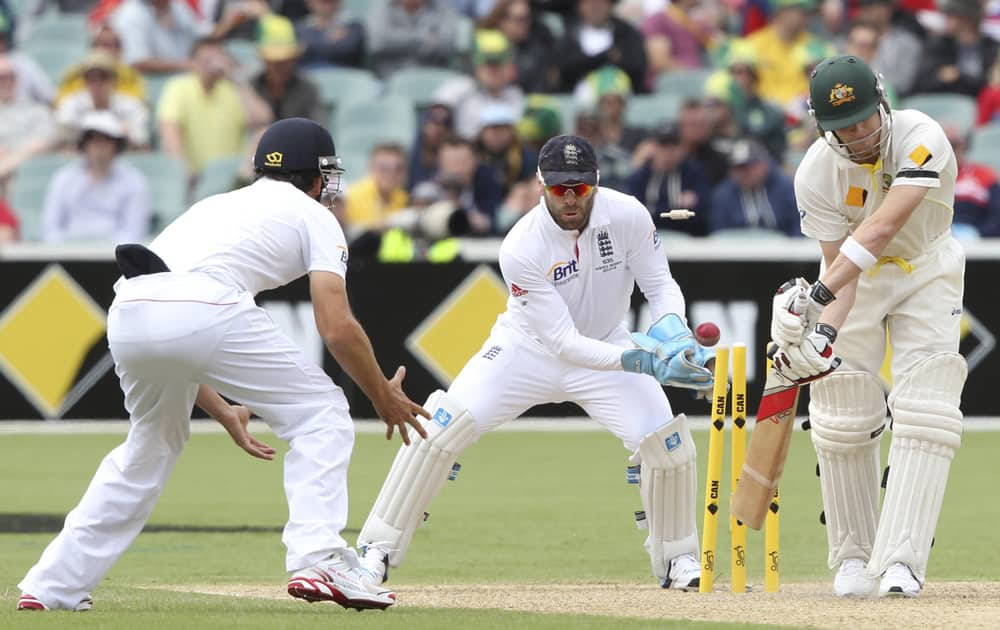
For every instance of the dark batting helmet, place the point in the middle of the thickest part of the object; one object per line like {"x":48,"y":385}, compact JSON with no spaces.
{"x":299,"y":146}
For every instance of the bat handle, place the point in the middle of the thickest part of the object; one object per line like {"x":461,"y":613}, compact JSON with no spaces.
{"x":801,"y":304}
{"x":772,"y":349}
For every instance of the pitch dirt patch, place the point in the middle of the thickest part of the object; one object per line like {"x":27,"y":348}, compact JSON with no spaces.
{"x":942,"y":604}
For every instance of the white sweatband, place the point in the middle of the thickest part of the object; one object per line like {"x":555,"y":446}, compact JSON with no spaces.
{"x":857,"y":253}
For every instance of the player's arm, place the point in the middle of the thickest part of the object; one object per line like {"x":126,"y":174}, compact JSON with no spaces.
{"x":835,"y":314}
{"x":649,"y":265}
{"x":350,"y":346}
{"x":234,"y":419}
{"x":872,"y":236}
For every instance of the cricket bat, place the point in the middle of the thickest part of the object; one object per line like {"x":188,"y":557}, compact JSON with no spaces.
{"x":767,"y":451}
{"x":768,"y":448}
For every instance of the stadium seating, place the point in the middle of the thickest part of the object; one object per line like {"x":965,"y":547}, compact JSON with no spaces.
{"x":957,"y":109}
{"x":354,"y":147}
{"x":245,"y":54}
{"x":54,"y":57}
{"x":28,"y":192}
{"x":683,"y":83}
{"x":357,"y":9}
{"x":338,"y":86}
{"x":218,"y":176}
{"x":567,"y":110}
{"x":387,"y":119}
{"x":64,"y":29}
{"x":168,"y":184}
{"x":648,"y":110}
{"x":985,"y":154}
{"x":419,"y":83}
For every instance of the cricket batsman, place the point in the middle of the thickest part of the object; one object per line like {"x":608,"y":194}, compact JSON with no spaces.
{"x":570,"y":264}
{"x":876,"y":190}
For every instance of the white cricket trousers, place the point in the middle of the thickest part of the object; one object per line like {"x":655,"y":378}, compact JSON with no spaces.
{"x":168,"y":333}
{"x":918,"y":302}
{"x":512,"y":373}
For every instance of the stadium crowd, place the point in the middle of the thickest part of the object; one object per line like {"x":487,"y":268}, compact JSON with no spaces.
{"x":115,"y":115}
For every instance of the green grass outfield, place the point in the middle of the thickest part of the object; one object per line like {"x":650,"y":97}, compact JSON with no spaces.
{"x":528,"y":508}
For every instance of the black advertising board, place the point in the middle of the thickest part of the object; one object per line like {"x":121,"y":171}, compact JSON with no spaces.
{"x":54,"y":361}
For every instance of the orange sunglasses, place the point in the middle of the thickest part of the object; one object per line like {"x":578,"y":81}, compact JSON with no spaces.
{"x":580,"y":190}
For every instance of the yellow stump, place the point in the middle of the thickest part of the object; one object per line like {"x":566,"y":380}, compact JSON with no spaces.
{"x":737,"y":530}
{"x":771,"y":532}
{"x":713,"y":481}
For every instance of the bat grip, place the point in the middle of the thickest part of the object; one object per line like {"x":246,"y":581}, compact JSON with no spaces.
{"x":800,"y":305}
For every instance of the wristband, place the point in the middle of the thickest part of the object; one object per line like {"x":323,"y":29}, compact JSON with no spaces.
{"x":820,"y":294}
{"x":857,"y":254}
{"x":827,"y":331}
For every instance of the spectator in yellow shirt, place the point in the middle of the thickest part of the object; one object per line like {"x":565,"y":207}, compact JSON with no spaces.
{"x":381,"y":193}
{"x":776,"y":49}
{"x":205,"y":114}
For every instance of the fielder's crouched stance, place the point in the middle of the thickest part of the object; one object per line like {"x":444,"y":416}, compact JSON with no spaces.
{"x":184,"y":326}
{"x":570,"y":265}
{"x":877,"y":192}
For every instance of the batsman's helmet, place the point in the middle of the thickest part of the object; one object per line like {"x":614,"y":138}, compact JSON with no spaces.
{"x":299,"y":146}
{"x":843,"y":91}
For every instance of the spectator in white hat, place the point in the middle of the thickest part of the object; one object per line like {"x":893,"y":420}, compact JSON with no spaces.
{"x":98,"y":197}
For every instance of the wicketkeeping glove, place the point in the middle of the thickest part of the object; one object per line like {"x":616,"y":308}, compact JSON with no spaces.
{"x":667,"y":337}
{"x":686,"y":369}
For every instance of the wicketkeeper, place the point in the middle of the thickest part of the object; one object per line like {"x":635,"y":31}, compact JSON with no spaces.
{"x":570,"y":265}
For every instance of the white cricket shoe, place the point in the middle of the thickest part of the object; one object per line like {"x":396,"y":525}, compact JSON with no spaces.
{"x":30,"y":602}
{"x":899,"y":581}
{"x":375,"y":563}
{"x":683,"y":574}
{"x":852,"y":579}
{"x":339,"y":579}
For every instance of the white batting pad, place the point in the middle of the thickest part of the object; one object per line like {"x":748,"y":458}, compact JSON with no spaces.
{"x":668,"y":486}
{"x":417,"y":475}
{"x":926,"y":432}
{"x":847,"y":414}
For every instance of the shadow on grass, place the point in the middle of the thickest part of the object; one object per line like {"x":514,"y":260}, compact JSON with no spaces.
{"x":53,"y":523}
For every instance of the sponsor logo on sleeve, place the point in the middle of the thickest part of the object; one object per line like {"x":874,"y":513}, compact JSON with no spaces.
{"x":343,"y":254}
{"x":517,"y":291}
{"x":492,"y":353}
{"x":921,"y":155}
{"x":656,"y":239}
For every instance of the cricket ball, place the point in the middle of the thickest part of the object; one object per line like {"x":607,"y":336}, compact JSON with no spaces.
{"x":707,"y":334}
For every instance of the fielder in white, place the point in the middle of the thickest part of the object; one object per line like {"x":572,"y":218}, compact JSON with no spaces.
{"x":570,"y":265}
{"x":877,"y":192}
{"x":184,"y":326}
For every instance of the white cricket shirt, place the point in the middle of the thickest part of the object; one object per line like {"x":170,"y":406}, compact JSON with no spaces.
{"x":835,"y":195}
{"x":256,"y":238}
{"x":570,"y":290}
